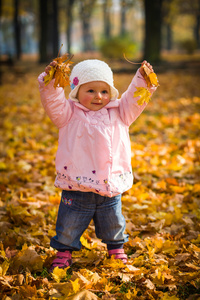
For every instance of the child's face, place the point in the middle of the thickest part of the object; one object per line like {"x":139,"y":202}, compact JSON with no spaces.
{"x":94,"y":95}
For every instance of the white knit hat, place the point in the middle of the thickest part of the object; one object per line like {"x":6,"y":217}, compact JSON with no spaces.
{"x":91,"y":70}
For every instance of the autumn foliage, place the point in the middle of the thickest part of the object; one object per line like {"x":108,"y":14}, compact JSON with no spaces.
{"x":162,"y":209}
{"x":61,"y":72}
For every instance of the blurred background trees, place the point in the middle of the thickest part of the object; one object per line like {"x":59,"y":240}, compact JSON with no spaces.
{"x":140,"y":28}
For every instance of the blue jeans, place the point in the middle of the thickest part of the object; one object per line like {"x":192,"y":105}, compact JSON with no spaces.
{"x":77,"y":209}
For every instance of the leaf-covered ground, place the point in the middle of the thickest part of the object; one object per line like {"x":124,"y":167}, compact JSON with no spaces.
{"x":162,"y":209}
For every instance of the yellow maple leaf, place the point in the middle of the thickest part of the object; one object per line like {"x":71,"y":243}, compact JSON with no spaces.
{"x":49,"y":76}
{"x":61,"y":72}
{"x":158,"y":244}
{"x":90,"y":276}
{"x":196,"y":188}
{"x":28,"y":292}
{"x":144,"y":95}
{"x":3,"y":268}
{"x":113,"y":263}
{"x":150,"y":77}
{"x":85,"y":243}
{"x":130,"y":294}
{"x":196,"y":241}
{"x":161,"y":185}
{"x":169,"y":247}
{"x":59,"y":274}
{"x":178,"y":189}
{"x":75,"y":285}
{"x":2,"y":166}
{"x":167,"y":297}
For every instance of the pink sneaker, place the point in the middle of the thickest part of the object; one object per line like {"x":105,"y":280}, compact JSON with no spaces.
{"x":62,"y":260}
{"x":119,"y":254}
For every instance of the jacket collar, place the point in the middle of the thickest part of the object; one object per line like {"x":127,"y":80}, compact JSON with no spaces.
{"x":111,"y":104}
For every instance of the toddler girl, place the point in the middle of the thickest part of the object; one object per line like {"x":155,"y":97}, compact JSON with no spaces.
{"x":93,"y":160}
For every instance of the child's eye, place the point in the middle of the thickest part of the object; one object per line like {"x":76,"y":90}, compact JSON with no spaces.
{"x":105,"y":92}
{"x":91,"y":91}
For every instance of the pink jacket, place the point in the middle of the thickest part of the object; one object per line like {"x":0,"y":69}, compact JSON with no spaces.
{"x":94,"y":153}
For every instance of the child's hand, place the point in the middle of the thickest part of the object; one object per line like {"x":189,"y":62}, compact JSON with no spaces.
{"x":48,"y":68}
{"x":142,"y":72}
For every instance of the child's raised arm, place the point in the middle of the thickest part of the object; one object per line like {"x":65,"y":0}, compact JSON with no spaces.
{"x":53,"y":99}
{"x":129,"y":107}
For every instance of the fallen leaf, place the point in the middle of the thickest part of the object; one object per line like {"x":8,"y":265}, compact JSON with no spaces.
{"x":3,"y":268}
{"x":192,"y":266}
{"x":182,"y":257}
{"x":166,"y":296}
{"x":27,"y":291}
{"x":169,"y":247}
{"x":149,"y":284}
{"x":59,"y":274}
{"x":162,"y":208}
{"x":28,"y":258}
{"x":83,"y":281}
{"x":83,"y":295}
{"x":75,"y":285}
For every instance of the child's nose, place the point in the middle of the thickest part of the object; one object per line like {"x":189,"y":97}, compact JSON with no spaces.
{"x":98,"y":95}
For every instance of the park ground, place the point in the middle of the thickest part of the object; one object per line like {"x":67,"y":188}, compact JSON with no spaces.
{"x":162,"y":209}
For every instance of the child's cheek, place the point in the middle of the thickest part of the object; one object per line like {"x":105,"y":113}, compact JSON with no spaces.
{"x":107,"y":98}
{"x":86,"y":100}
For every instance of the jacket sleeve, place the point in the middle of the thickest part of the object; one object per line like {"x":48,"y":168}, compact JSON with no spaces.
{"x":129,"y":109}
{"x":57,"y":107}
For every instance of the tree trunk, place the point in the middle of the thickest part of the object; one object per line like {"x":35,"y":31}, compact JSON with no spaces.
{"x":106,"y":14}
{"x":197,"y":27}
{"x":0,"y":53}
{"x":70,"y":4}
{"x":52,"y":29}
{"x":55,"y":37}
{"x":153,"y":24}
{"x":43,"y":15}
{"x":87,"y":36}
{"x":123,"y":18}
{"x":17,"y":29}
{"x":169,"y":36}
{"x":86,"y":8}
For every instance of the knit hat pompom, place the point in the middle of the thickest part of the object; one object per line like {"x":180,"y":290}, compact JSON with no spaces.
{"x":91,"y":70}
